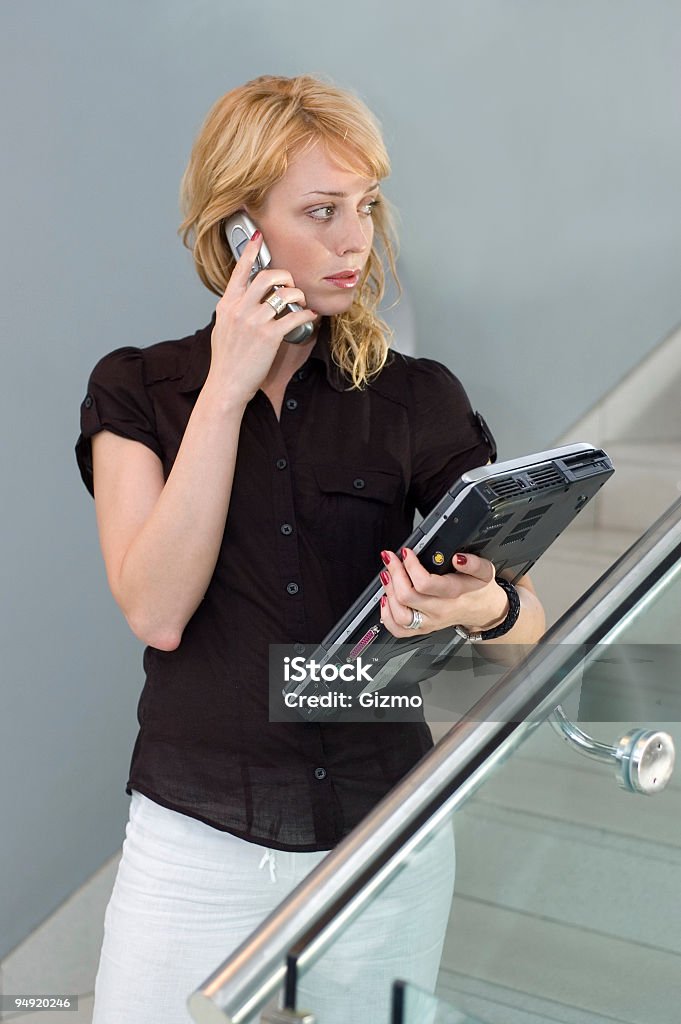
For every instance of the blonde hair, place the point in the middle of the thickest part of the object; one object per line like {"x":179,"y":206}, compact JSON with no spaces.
{"x":244,"y":147}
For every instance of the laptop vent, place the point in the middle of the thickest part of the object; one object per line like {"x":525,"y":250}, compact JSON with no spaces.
{"x":532,"y":517}
{"x":506,"y":488}
{"x":515,"y":538}
{"x":535,"y":513}
{"x":492,"y":528}
{"x":526,"y":525}
{"x":545,"y":476}
{"x":538,"y":479}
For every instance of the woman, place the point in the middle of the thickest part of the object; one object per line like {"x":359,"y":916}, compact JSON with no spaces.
{"x":246,"y":489}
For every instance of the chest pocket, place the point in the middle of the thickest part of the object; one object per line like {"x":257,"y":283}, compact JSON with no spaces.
{"x":352,"y":507}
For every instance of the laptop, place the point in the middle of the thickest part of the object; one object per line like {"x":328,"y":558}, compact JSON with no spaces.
{"x":509,"y":513}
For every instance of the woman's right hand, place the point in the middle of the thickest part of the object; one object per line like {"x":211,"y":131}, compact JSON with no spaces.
{"x":246,"y":335}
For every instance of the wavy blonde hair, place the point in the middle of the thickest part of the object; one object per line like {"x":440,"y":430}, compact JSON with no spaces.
{"x":244,"y":146}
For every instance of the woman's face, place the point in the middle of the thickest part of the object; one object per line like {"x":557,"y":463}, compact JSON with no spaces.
{"x":317,"y":224}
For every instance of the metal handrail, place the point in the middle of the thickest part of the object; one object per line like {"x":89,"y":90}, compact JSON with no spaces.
{"x":346,"y":878}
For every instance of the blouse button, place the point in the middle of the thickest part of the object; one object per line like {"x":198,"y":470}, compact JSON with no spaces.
{"x":88,"y":401}
{"x":320,"y":773}
{"x":292,"y":588}
{"x":291,"y":404}
{"x":286,"y":529}
{"x":281,"y":463}
{"x":358,"y":483}
{"x":299,"y":648}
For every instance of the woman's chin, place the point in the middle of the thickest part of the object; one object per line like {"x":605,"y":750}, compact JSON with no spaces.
{"x":332,"y":306}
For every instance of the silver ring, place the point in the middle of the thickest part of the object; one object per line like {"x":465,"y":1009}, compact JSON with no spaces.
{"x":416,"y":619}
{"x":277,"y":304}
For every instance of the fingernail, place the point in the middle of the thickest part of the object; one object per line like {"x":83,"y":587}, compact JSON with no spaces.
{"x":385,"y":578}
{"x":383,"y":600}
{"x":461,"y":560}
{"x":404,"y":553}
{"x":386,"y":557}
{"x":256,"y":235}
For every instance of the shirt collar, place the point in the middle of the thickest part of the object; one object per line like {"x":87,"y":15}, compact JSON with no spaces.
{"x":391,"y":385}
{"x":198,"y":361}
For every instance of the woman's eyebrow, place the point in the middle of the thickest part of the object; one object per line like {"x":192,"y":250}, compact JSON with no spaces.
{"x":340,"y":195}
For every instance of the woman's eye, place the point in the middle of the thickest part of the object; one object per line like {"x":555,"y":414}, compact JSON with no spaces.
{"x":320,"y":213}
{"x":324,"y":213}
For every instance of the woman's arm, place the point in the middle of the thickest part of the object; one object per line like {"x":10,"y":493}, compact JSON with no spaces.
{"x":161,"y":541}
{"x":531,"y":622}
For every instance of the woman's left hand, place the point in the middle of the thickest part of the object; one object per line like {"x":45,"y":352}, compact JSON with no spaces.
{"x":469,"y":597}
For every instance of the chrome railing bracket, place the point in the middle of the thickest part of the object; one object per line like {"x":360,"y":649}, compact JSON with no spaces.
{"x":643,"y":758}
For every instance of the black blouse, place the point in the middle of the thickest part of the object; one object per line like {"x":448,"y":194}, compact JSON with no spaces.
{"x":316,"y":496}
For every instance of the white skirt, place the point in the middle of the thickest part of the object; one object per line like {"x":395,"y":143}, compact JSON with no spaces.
{"x":186,"y":895}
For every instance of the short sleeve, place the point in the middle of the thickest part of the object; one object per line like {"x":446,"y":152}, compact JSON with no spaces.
{"x":116,"y":400}
{"x":448,"y":438}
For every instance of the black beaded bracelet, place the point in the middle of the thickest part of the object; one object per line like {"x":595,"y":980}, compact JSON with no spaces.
{"x":503,"y":627}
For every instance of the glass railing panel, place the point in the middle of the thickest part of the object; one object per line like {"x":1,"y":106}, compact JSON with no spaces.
{"x":565,"y":904}
{"x":563,"y":894}
{"x":543,"y":835}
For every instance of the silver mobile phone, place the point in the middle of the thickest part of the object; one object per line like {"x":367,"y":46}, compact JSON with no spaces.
{"x":239,"y":229}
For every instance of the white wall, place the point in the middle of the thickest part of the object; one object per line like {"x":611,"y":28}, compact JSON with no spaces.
{"x":537,"y":159}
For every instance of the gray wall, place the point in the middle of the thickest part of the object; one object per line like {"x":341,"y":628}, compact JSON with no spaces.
{"x":537,"y":158}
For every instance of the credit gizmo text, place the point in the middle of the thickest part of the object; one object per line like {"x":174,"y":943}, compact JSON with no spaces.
{"x":343,"y":701}
{"x":298,"y":670}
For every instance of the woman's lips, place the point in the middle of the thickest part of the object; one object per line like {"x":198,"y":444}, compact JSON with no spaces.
{"x":345,"y":280}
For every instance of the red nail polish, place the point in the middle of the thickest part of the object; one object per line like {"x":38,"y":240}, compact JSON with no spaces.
{"x":461,"y":560}
{"x":383,"y":600}
{"x":256,"y":235}
{"x":404,"y":553}
{"x":386,"y":557}
{"x":385,"y":578}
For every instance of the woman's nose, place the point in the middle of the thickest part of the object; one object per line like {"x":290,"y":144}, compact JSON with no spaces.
{"x":354,"y":234}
